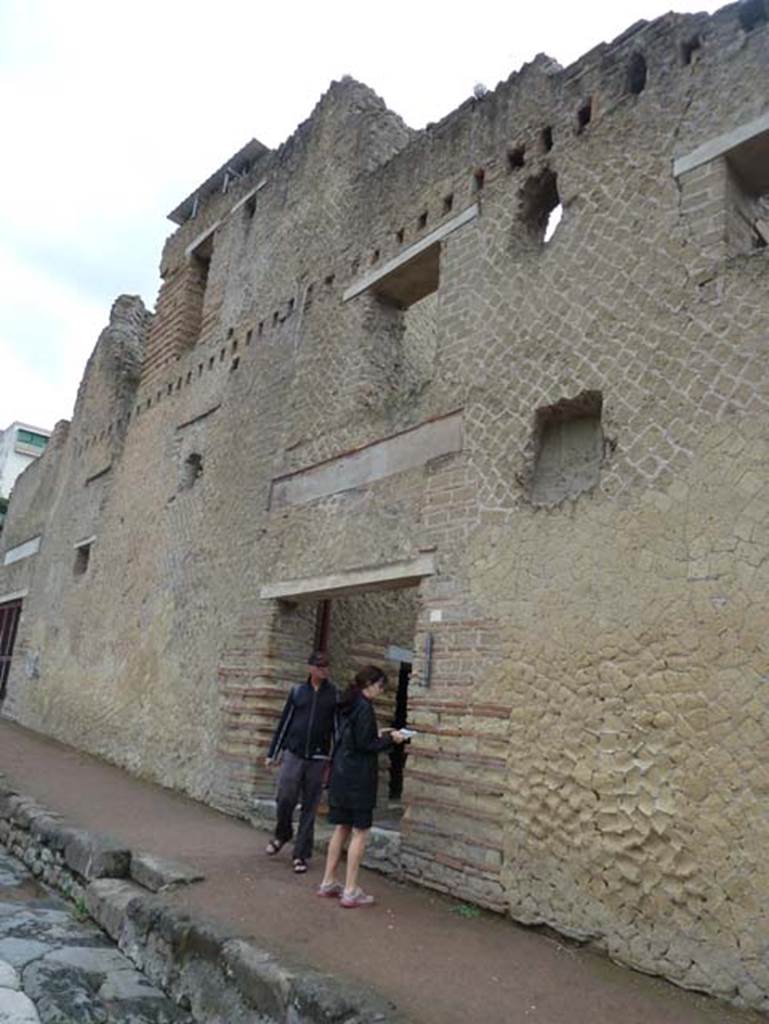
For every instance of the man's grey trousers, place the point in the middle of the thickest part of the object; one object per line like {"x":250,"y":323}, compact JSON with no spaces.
{"x":300,"y":779}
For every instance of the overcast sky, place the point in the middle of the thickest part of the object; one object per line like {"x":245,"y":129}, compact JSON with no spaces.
{"x":113,"y":112}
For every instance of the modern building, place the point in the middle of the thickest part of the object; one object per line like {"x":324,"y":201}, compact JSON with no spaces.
{"x":20,"y":445}
{"x":380,"y":408}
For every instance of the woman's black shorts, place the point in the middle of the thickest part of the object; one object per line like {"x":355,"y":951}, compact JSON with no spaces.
{"x":352,"y":816}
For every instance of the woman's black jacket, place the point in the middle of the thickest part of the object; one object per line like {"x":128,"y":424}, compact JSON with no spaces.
{"x":354,"y":773}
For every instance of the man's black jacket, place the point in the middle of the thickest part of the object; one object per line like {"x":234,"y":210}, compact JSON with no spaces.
{"x":308,"y":724}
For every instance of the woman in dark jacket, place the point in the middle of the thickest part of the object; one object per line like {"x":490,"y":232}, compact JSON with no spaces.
{"x":352,"y":794}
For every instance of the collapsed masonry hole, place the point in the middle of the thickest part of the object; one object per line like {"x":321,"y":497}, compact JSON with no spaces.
{"x":584,"y":115}
{"x":688,"y":49}
{"x":636,"y":74}
{"x":448,"y":202}
{"x":752,"y":13}
{"x":547,"y":139}
{"x":192,"y":470}
{"x":422,"y":221}
{"x":400,"y":235}
{"x":539,"y":201}
{"x":479,"y":179}
{"x":568,"y":449}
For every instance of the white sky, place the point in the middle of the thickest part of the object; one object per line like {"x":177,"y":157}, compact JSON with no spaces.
{"x":113,"y":112}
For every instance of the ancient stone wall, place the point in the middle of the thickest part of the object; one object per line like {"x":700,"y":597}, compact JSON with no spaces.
{"x":584,"y":534}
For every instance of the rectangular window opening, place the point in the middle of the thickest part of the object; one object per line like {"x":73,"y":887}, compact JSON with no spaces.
{"x":82,"y":558}
{"x":516,"y":158}
{"x":31,"y":438}
{"x":412,"y":280}
{"x":584,"y":115}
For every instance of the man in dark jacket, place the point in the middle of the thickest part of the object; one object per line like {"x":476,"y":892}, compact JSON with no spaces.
{"x":304,"y":736}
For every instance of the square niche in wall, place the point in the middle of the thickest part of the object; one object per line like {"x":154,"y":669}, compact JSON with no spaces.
{"x":569,"y":446}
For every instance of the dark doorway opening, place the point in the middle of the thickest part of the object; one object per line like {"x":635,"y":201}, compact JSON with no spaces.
{"x":398,"y":755}
{"x":10,"y":613}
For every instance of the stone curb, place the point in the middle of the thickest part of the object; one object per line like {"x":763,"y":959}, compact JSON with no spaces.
{"x":220,"y":978}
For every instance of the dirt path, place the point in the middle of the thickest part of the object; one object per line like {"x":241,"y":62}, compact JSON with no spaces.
{"x":437,"y":965}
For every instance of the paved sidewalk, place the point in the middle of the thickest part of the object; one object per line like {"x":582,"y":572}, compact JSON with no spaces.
{"x":438,"y":966}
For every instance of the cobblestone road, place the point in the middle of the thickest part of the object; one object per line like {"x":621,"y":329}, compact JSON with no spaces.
{"x":57,"y":969}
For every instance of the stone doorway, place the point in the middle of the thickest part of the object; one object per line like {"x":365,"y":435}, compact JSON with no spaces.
{"x":360,"y":617}
{"x":378,"y":628}
{"x":10,"y":613}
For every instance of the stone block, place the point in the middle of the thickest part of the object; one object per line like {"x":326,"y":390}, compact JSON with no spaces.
{"x":47,"y":829}
{"x":8,"y":803}
{"x":17,"y":1008}
{"x":157,"y":873}
{"x":318,"y":998}
{"x":9,"y":976}
{"x":27,"y":812}
{"x":107,"y":900}
{"x":94,"y":960}
{"x":383,"y":852}
{"x":203,"y":940}
{"x":92,"y":856}
{"x":261,"y":981}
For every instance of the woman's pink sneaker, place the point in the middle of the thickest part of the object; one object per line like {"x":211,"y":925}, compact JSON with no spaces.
{"x":332,"y":889}
{"x":356,"y":899}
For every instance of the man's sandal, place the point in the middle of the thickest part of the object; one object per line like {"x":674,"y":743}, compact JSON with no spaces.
{"x":300,"y":865}
{"x":274,"y":846}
